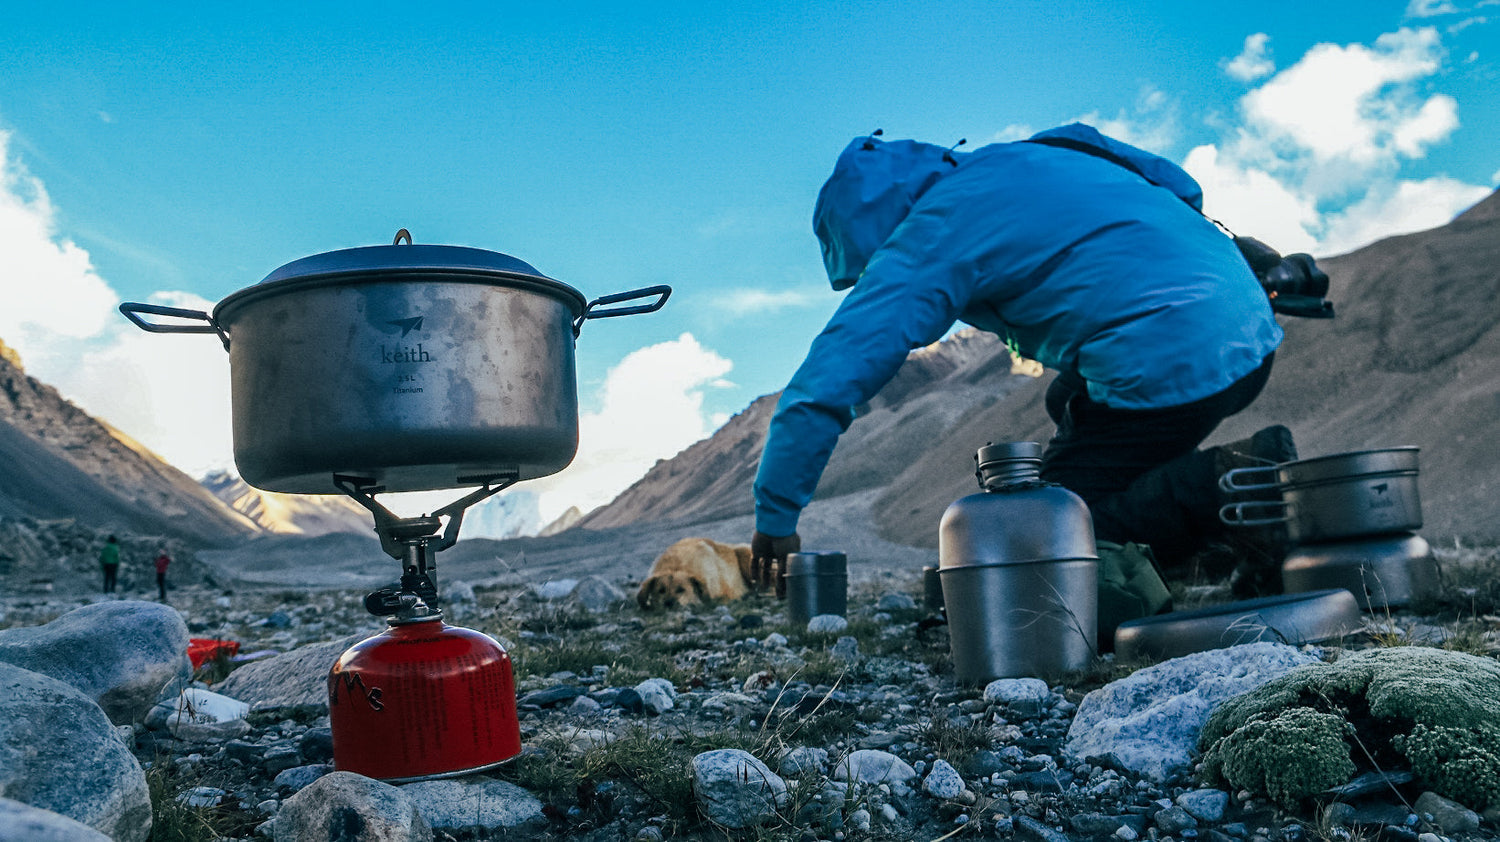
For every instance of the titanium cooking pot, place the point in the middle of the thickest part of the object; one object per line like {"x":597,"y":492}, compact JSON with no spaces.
{"x":409,"y":367}
{"x":1388,"y":571}
{"x":1346,"y":495}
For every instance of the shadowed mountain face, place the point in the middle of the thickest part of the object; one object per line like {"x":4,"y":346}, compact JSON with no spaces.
{"x":1413,"y":358}
{"x":57,"y":462}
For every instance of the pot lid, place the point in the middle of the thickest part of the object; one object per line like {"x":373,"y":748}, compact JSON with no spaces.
{"x":813,"y":563}
{"x":407,"y":257}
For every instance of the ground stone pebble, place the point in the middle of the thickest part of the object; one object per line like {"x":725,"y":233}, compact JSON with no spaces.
{"x":1204,"y":804}
{"x":943,"y":781}
{"x":827,"y":624}
{"x":1449,"y":816}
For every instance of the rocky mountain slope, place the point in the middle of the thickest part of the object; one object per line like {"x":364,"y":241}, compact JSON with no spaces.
{"x":1413,"y":358}
{"x":296,"y":514}
{"x":58,"y":462}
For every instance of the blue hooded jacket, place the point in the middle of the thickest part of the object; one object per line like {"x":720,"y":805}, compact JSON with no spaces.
{"x":1082,"y":264}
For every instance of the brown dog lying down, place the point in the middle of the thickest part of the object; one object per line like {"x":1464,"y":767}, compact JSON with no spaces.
{"x":696,"y":570}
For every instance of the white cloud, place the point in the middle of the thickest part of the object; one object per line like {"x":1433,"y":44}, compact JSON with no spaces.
{"x":651,"y":408}
{"x":1012,"y":132}
{"x":1354,"y":105}
{"x":1430,"y":8}
{"x":1150,"y":123}
{"x":170,"y":393}
{"x":1253,"y":202}
{"x":1315,"y":162}
{"x":1398,"y":208}
{"x":1254,"y":61}
{"x":742,"y":302}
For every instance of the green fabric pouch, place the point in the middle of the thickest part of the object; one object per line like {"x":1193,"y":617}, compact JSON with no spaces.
{"x":1130,"y":587}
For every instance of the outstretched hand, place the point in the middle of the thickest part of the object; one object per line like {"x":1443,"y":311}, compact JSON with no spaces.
{"x":768,"y":558}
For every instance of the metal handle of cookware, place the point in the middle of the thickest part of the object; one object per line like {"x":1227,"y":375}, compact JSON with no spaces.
{"x":133,"y":310}
{"x":1230,"y":480}
{"x":1234,"y":514}
{"x":662,"y":291}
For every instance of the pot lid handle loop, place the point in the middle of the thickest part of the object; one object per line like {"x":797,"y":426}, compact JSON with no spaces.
{"x":662,"y":291}
{"x":403,"y":234}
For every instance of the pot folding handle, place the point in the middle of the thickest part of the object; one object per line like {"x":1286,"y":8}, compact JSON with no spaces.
{"x":1230,"y":480}
{"x":1235,"y":514}
{"x":662,"y":291}
{"x":133,"y":310}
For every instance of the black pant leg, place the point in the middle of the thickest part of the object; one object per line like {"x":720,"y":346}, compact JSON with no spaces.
{"x":1139,"y":470}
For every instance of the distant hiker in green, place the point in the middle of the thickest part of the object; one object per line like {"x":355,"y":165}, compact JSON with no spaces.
{"x":109,"y":559}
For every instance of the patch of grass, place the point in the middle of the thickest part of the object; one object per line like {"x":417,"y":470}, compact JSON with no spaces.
{"x":173,"y":821}
{"x":956,"y":742}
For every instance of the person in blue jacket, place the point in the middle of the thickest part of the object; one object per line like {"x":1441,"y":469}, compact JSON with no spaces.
{"x":1087,"y":255}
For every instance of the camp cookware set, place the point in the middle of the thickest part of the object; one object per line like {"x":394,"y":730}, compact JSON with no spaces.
{"x":1352,"y":520}
{"x":407,"y":368}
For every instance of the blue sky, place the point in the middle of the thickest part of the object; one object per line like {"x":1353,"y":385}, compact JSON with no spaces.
{"x":180,"y":155}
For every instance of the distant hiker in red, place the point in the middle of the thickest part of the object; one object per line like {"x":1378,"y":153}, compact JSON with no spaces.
{"x":109,"y":560}
{"x":162,"y":560}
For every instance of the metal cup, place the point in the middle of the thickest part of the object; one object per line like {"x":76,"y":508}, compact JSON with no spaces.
{"x":816,"y":583}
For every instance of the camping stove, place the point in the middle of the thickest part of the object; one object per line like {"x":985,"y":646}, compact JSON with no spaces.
{"x":422,"y":699}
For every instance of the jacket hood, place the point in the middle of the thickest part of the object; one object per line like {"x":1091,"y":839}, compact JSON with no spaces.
{"x":873,"y":187}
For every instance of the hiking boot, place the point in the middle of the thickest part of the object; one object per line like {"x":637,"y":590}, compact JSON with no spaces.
{"x":1259,"y":550}
{"x":1269,"y":447}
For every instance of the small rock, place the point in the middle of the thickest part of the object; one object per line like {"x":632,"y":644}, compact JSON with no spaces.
{"x":1028,"y":828}
{"x":201,"y":796}
{"x":870,"y":766}
{"x":896,"y":602}
{"x":1450,"y":817}
{"x":316,"y":745}
{"x":584,"y":706}
{"x":552,"y":696}
{"x":943,"y":781}
{"x":827,"y":624}
{"x":802,"y":760}
{"x":1205,"y":805}
{"x":1174,"y":820}
{"x":556,"y":589}
{"x":297,"y":778}
{"x":846,"y":650}
{"x":736,"y":790}
{"x":281,"y":758}
{"x":656,"y":695}
{"x":1025,"y":696}
{"x":597,"y":595}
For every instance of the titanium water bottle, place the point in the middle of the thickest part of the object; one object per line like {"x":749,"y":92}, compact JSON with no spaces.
{"x":1019,"y":572}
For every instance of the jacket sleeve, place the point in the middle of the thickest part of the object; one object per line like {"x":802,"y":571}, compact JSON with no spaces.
{"x":1156,"y":169}
{"x":907,"y":298}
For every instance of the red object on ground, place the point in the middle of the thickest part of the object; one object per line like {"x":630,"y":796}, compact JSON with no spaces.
{"x":201,"y":650}
{"x":423,"y":700}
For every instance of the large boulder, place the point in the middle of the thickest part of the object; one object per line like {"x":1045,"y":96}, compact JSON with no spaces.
{"x":291,"y":679}
{"x":122,"y":654}
{"x":1149,"y":721}
{"x":59,"y":752}
{"x":22,"y":821}
{"x":343,"y":805}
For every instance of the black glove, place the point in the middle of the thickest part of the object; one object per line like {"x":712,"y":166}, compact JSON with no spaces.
{"x":768,"y":559}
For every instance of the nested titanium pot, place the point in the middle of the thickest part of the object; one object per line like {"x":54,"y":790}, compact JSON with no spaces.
{"x":409,"y":367}
{"x":1345,"y":495}
{"x":1385,"y":571}
{"x":1019,"y":571}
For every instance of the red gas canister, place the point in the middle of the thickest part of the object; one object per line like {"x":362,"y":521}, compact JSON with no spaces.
{"x":422,"y":700}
